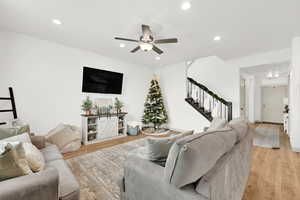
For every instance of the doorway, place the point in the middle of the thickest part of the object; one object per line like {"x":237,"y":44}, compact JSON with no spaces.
{"x":243,"y":98}
{"x":273,"y":103}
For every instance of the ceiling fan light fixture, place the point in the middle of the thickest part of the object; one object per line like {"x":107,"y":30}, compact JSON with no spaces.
{"x":146,"y":46}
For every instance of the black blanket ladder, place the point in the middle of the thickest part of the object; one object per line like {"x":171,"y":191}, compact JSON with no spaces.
{"x":13,"y":109}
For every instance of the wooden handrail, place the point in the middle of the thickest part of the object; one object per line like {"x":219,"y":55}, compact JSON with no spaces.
{"x":198,"y":106}
{"x":208,"y":91}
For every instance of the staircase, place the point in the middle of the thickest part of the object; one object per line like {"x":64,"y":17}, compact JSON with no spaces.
{"x":206,"y":102}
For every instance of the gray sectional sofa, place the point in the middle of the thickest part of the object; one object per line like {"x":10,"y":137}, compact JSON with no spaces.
{"x":55,"y":182}
{"x":212,"y":165}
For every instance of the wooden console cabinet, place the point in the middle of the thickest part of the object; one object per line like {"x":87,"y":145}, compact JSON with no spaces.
{"x":97,"y":128}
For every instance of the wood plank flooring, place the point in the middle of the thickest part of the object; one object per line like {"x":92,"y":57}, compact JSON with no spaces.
{"x":275,"y":173}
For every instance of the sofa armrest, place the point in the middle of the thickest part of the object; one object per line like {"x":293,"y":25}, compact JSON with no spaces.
{"x":38,"y":141}
{"x":43,"y":185}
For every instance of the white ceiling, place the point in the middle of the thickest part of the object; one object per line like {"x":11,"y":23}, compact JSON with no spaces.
{"x":246,"y":27}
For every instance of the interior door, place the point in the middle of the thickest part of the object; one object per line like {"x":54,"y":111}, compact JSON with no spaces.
{"x":272,"y":103}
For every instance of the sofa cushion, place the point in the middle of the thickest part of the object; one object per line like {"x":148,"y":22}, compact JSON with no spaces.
{"x":158,"y":148}
{"x":230,"y":172}
{"x":216,"y":124}
{"x":193,"y":156}
{"x":13,"y":162}
{"x":240,"y":126}
{"x":51,"y":152}
{"x":6,"y":132}
{"x":24,"y":137}
{"x":68,"y":186}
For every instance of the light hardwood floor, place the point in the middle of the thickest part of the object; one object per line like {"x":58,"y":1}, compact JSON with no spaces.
{"x":275,"y":173}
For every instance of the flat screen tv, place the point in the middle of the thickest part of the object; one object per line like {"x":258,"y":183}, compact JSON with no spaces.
{"x":101,"y":81}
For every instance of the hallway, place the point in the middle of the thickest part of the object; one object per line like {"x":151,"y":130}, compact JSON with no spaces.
{"x":275,"y":173}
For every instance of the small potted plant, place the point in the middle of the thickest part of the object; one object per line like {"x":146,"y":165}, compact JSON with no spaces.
{"x":87,"y":105}
{"x":118,"y":105}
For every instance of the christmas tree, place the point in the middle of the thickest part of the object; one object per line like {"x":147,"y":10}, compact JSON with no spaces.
{"x":154,"y":112}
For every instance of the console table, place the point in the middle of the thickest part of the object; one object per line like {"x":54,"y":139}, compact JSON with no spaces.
{"x":96,"y":128}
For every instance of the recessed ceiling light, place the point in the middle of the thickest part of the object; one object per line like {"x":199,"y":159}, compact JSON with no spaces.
{"x":122,"y":45}
{"x":270,"y":75}
{"x":217,"y":38}
{"x":157,"y":58}
{"x":186,"y":5}
{"x":56,"y":21}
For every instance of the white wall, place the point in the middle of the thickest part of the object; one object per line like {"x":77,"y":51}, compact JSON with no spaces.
{"x":277,"y":56}
{"x":212,"y":72}
{"x":220,"y":77}
{"x":294,"y":101}
{"x":47,"y":79}
{"x":173,"y":84}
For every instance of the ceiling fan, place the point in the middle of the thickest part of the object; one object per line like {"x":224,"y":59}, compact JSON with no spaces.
{"x":147,"y":41}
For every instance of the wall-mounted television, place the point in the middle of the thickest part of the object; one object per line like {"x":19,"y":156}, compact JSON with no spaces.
{"x":101,"y":81}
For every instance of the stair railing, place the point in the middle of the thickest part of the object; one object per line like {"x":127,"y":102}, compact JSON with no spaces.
{"x":206,"y":102}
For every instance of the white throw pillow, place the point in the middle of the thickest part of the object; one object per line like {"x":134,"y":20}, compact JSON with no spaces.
{"x":34,"y":157}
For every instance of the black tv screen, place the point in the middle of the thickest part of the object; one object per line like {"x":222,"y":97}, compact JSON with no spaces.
{"x":101,"y":81}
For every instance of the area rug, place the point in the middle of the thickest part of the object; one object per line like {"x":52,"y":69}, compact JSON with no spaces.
{"x":98,"y":173}
{"x":267,"y":136}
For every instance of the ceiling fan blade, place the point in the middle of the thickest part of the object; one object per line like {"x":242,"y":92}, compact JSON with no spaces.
{"x":164,"y":41}
{"x":157,"y":50}
{"x":126,"y":39}
{"x":135,"y":49}
{"x":146,"y":29}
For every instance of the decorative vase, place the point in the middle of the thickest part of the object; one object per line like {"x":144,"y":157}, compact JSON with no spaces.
{"x":87,"y":112}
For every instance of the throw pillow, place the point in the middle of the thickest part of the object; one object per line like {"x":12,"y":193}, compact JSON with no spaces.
{"x":192,"y":157}
{"x":157,"y":149}
{"x":55,"y":130}
{"x":34,"y":157}
{"x":217,"y":123}
{"x":63,"y":137}
{"x":13,"y":162}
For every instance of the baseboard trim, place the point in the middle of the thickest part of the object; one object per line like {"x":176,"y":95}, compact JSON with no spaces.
{"x":296,"y":150}
{"x":263,"y":122}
